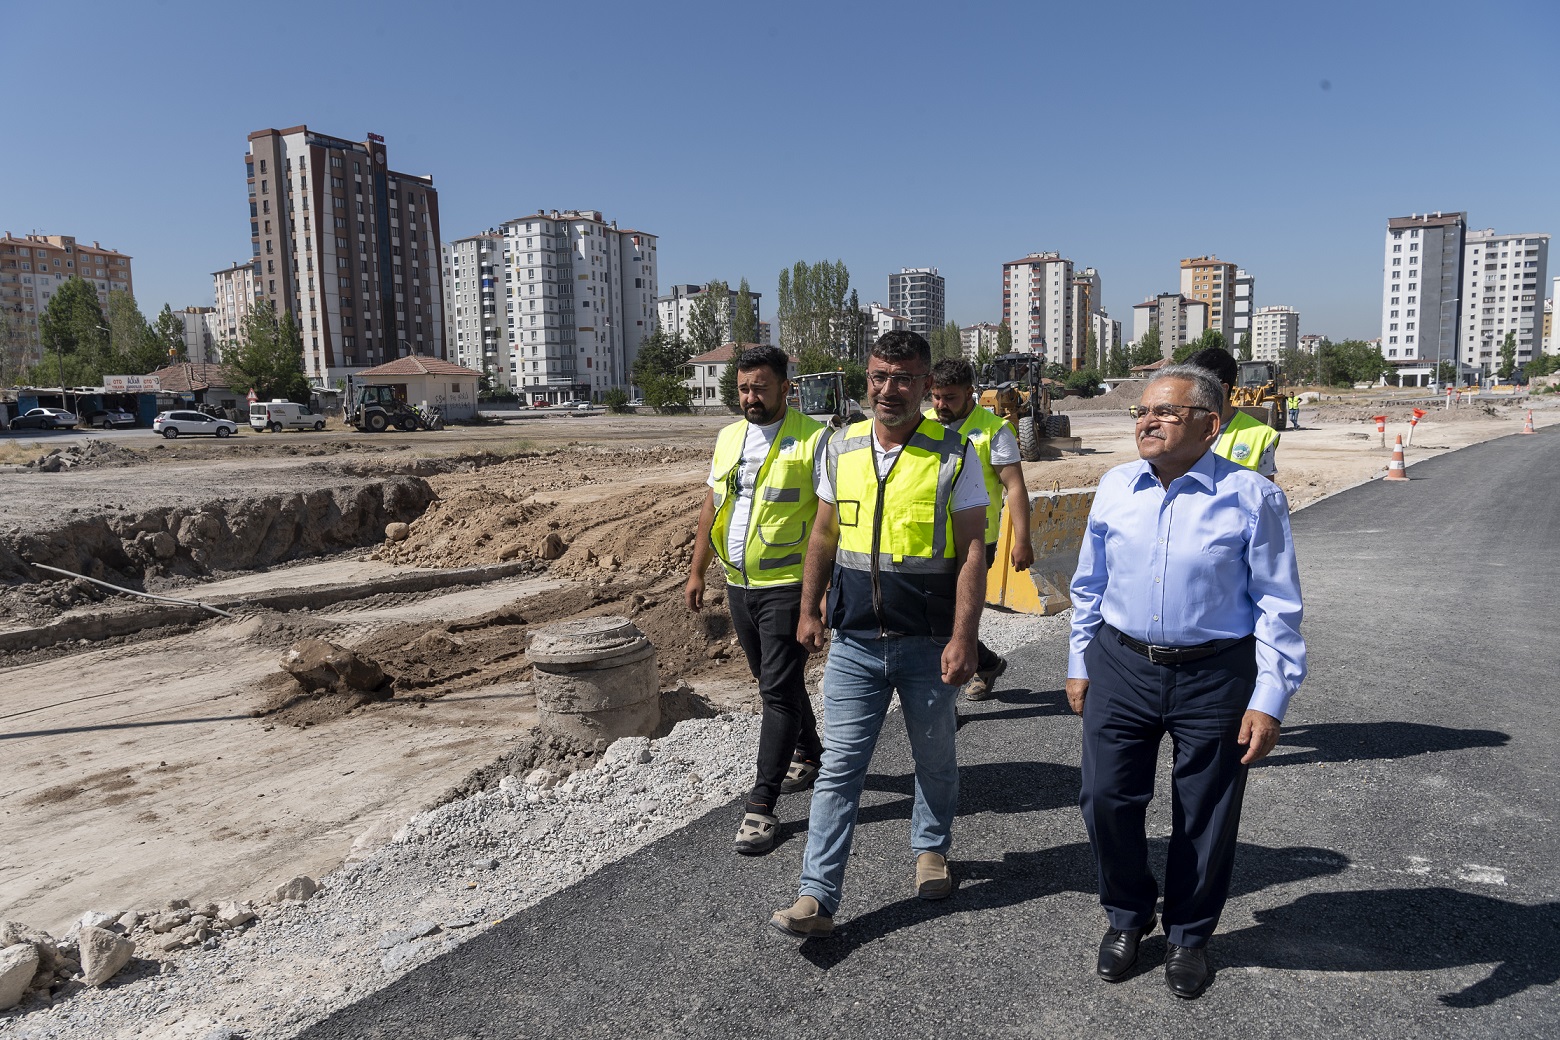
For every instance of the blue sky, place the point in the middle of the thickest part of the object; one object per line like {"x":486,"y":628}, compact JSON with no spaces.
{"x":1277,"y":136}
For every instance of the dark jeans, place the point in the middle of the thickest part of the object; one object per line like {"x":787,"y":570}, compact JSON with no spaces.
{"x":1130,"y":706}
{"x":986,"y":658}
{"x":766,"y":620}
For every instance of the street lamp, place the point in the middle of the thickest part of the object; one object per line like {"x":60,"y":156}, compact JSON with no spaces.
{"x":1439,"y":325}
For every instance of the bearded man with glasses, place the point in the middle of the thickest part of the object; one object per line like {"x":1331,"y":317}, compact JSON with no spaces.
{"x":898,"y":545}
{"x":1186,"y":621}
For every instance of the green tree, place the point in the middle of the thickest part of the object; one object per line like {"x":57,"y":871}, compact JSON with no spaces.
{"x":1085,"y":382}
{"x":855,"y":329}
{"x":1004,"y":339}
{"x":1508,"y":356}
{"x":1146,"y":350}
{"x":946,"y":342}
{"x":744,"y":324}
{"x":17,"y":346}
{"x":1351,"y":361}
{"x":706,"y":318}
{"x":1091,"y":348}
{"x":74,"y":337}
{"x":1542,"y":365}
{"x":269,"y":361}
{"x":983,"y":358}
{"x":1119,"y":364}
{"x":812,"y":309}
{"x":615,"y":400}
{"x":168,"y":332}
{"x":1243,"y":349}
{"x":660,"y":370}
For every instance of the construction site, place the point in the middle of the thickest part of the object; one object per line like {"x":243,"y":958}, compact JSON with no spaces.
{"x":337,"y":676}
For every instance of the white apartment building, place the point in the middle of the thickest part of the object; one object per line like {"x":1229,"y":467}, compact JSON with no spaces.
{"x":918,"y":293}
{"x":674,"y":309}
{"x":236,"y":293}
{"x":1274,"y":330}
{"x":1209,"y":280}
{"x":1107,"y":337}
{"x":1178,"y":319}
{"x":1037,"y":305}
{"x":1245,"y":307}
{"x":982,"y":336}
{"x":200,"y":341}
{"x":881,"y":320}
{"x":766,"y":335}
{"x":1503,"y":282}
{"x":1421,"y":273}
{"x":576,"y":297}
{"x":706,"y":370}
{"x":476,"y":323}
{"x":349,"y":246}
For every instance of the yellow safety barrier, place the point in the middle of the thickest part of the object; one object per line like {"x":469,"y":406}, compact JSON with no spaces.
{"x":1057,"y":520}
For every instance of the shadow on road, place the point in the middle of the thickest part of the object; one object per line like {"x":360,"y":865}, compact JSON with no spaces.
{"x":1020,"y":877}
{"x":1026,"y":704}
{"x":1354,"y":741}
{"x":1399,"y":929}
{"x":987,"y":787}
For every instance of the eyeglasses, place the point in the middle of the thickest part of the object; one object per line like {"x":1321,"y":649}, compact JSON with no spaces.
{"x":901,"y":380}
{"x":1170,"y":413}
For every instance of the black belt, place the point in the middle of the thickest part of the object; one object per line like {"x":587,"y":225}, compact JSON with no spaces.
{"x":1177,"y":654}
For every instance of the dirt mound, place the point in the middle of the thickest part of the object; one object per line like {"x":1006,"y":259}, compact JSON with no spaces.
{"x":1122,"y":397}
{"x":1348,"y":411}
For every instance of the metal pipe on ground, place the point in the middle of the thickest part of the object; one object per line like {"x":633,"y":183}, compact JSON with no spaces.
{"x":132,"y":592}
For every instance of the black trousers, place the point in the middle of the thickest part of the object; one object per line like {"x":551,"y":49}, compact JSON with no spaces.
{"x":766,"y":620}
{"x":1130,"y":705}
{"x":986,"y":658}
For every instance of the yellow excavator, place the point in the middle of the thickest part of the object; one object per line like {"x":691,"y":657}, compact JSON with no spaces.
{"x":1012,"y":389}
{"x":1259,"y":394}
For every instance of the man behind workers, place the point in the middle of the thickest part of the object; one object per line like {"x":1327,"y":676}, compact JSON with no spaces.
{"x":1242,"y":439}
{"x":1294,"y":411}
{"x":1186,"y":621}
{"x":756,"y":517}
{"x":993,"y":443}
{"x":897,"y":545}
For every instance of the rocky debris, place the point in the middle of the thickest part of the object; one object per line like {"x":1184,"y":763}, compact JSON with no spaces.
{"x":18,"y":964}
{"x":297,"y":890}
{"x":322,"y":666}
{"x":97,"y":919}
{"x":551,"y":547}
{"x":397,"y":532}
{"x":102,"y":954}
{"x":234,"y":915}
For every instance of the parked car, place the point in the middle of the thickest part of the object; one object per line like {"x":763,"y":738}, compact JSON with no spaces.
{"x":173,"y":424}
{"x":280,"y":414}
{"x":45,"y":419}
{"x":103,"y":419}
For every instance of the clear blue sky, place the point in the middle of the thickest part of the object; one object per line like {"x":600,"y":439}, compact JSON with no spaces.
{"x":1277,"y":136}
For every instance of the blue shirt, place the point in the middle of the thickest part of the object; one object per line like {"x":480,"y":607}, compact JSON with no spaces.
{"x":1209,"y":557}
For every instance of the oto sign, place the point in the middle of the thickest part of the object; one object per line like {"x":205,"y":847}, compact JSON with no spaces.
{"x":132,"y":384}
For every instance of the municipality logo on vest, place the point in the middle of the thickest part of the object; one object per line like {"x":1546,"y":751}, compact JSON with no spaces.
{"x":1239,"y":452}
{"x":976,"y":435}
{"x":787,"y":443}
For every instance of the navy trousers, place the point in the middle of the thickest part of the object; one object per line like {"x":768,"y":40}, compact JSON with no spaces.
{"x":1130,"y":705}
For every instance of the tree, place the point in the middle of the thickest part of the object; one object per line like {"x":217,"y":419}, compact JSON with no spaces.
{"x":1085,"y":382}
{"x":983,"y":358}
{"x":706,"y":322}
{"x":1508,"y":356}
{"x":1146,"y":350}
{"x":1091,"y":347}
{"x":72,"y":328}
{"x":811,"y":308}
{"x":17,"y":347}
{"x":169,"y":333}
{"x":744,"y":324}
{"x":269,"y":361}
{"x":660,"y":370}
{"x":946,"y":342}
{"x":856,"y":329}
{"x":1243,"y":350}
{"x":1119,"y":364}
{"x":1004,"y":339}
{"x":615,"y":400}
{"x":1352,"y":361}
{"x":1542,"y":365}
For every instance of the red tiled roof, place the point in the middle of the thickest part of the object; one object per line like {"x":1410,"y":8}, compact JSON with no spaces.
{"x":419,"y":365}
{"x":190,"y":376}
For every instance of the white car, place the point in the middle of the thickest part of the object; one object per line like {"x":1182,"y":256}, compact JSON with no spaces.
{"x":173,"y":424}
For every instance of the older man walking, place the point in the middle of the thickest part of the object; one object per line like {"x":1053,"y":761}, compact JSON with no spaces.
{"x":898,"y":546}
{"x":1186,"y":621}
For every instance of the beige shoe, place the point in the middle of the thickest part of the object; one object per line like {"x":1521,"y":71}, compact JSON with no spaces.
{"x":804,"y":918}
{"x":933,"y":880}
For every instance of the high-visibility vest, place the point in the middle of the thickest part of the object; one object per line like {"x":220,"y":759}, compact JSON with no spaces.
{"x":896,"y":557}
{"x":785,"y":501}
{"x":1245,"y":440}
{"x":980,"y":428}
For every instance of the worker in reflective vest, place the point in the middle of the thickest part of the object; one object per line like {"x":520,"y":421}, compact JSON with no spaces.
{"x":992,"y":441}
{"x":756,"y":518}
{"x":1243,"y":440}
{"x":898,"y":548}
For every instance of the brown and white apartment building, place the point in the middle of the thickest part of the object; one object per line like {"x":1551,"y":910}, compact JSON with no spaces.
{"x":33,"y":267}
{"x":348,"y":245}
{"x":1211,"y":281}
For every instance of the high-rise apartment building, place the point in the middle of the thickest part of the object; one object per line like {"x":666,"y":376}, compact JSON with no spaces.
{"x":1037,"y":305}
{"x":348,"y":245}
{"x":1421,"y":273}
{"x":1178,"y":319}
{"x":1503,"y":283}
{"x":918,"y":294}
{"x":235,"y":292}
{"x":476,"y":323}
{"x":766,"y":336}
{"x":200,"y":342}
{"x":1245,"y":308}
{"x":1211,"y":281}
{"x":33,"y":267}
{"x":576,"y":297}
{"x":1107,"y":337}
{"x":1274,"y":330}
{"x":982,"y":336}
{"x":1085,"y":304}
{"x":674,"y":309}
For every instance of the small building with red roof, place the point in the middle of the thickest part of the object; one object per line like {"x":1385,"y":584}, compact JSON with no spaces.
{"x":429,"y":381}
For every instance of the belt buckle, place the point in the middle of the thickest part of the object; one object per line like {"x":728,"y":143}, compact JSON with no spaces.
{"x":1153,"y":655}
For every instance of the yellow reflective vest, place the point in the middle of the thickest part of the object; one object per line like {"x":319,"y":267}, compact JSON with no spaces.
{"x":979,"y":428}
{"x":785,"y":501}
{"x":1245,"y":440}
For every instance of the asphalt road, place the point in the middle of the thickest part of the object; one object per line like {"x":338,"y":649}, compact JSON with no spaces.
{"x":1397,"y":877}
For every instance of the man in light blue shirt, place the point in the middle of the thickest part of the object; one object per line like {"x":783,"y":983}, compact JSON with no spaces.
{"x":1186,"y":621}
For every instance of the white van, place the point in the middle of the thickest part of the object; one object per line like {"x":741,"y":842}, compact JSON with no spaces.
{"x":281,"y":414}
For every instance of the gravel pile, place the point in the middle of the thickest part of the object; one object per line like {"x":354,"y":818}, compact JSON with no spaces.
{"x":446,"y":876}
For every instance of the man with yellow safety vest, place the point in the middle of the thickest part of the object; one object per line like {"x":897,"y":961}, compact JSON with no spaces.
{"x":1242,"y":439}
{"x":897,"y":547}
{"x":756,"y":518}
{"x":993,"y":442}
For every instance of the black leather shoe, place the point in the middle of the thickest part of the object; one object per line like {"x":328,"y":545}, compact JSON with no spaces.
{"x":1119,"y":950}
{"x":1186,"y":971}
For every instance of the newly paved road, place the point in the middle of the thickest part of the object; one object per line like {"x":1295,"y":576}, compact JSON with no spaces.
{"x":1398,"y":872}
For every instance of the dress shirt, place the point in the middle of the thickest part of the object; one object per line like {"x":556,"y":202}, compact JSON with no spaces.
{"x":1210,"y":557}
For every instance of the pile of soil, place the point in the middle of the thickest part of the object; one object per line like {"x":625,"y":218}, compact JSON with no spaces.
{"x":1122,"y":397}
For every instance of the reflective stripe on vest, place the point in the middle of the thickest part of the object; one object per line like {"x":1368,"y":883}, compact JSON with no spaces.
{"x":1245,"y":440}
{"x":980,"y":428}
{"x":785,"y":501}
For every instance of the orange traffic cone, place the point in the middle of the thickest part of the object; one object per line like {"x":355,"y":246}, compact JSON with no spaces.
{"x":1395,"y":470}
{"x":1527,"y":427}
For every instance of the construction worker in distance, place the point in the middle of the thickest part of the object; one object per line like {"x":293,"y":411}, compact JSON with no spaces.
{"x":991,"y":440}
{"x":757,"y":517}
{"x":1243,"y":439}
{"x":1294,"y":411}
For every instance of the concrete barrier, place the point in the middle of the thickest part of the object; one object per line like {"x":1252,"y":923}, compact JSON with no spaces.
{"x":1057,"y":520}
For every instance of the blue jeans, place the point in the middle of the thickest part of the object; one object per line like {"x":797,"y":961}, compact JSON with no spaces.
{"x":858,"y":682}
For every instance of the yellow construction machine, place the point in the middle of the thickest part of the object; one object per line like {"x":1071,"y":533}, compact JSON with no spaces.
{"x":1258,"y":392}
{"x":1012,"y":388}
